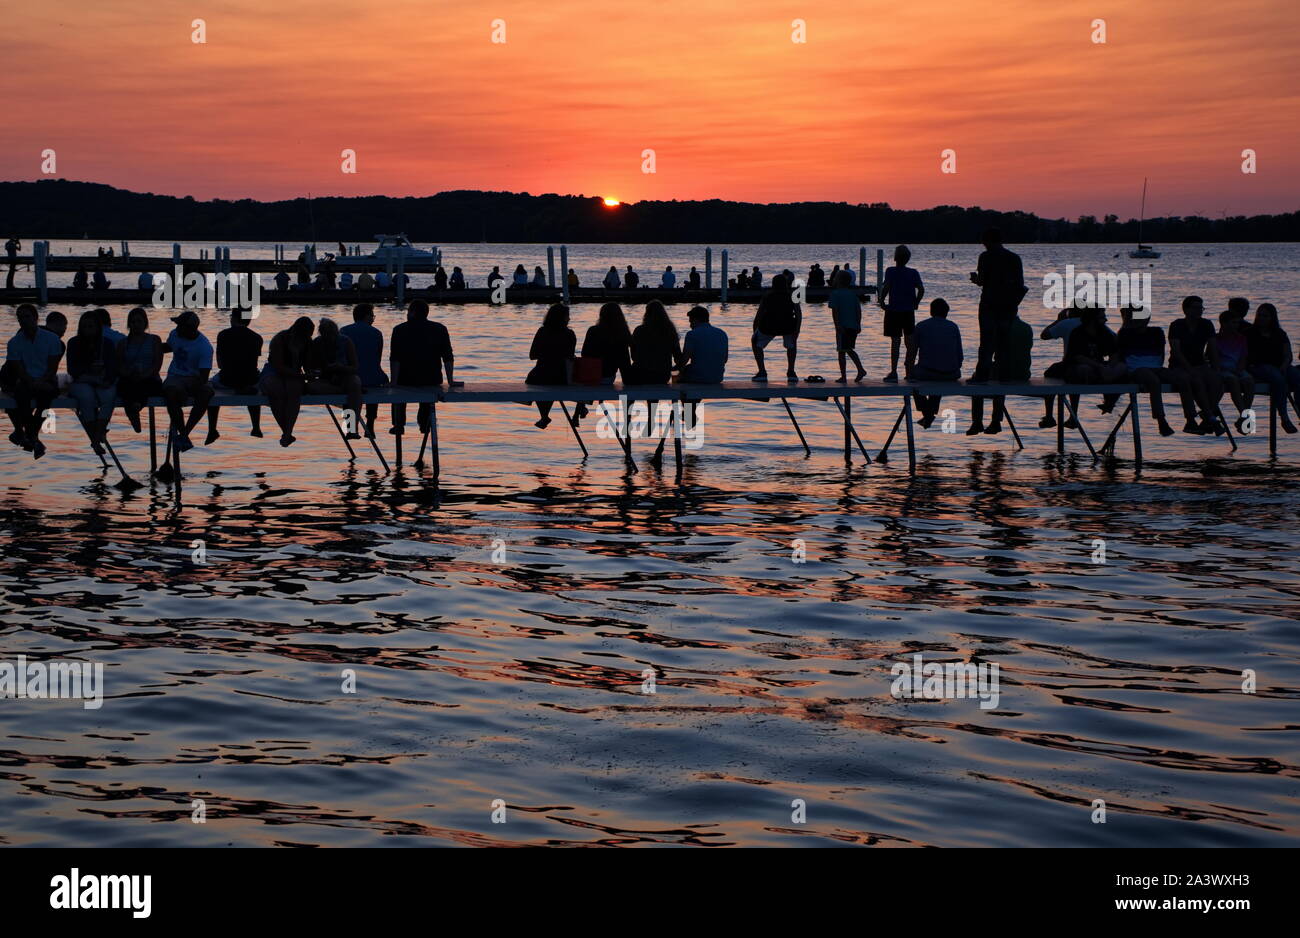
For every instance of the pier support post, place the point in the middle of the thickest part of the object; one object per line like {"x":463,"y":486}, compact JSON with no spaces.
{"x":352,"y":454}
{"x":911,"y":439}
{"x":723,"y":282}
{"x":564,"y":272}
{"x":807,"y":451}
{"x":574,"y":427}
{"x":708,"y":268}
{"x":401,"y":279}
{"x":862,"y":267}
{"x":39,"y":249}
{"x":883,"y":455}
{"x":677,"y":437}
{"x":880,"y":270}
{"x":846,"y":411}
{"x":550,"y":266}
{"x":153,"y":444}
{"x":435,"y":455}
{"x":1137,"y":430}
{"x":1074,"y":414}
{"x":1272,"y":426}
{"x":1011,"y":425}
{"x":1060,"y":424}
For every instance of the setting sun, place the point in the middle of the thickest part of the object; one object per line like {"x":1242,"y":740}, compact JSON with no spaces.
{"x":611,"y":202}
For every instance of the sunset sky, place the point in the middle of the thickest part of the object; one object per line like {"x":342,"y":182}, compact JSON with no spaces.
{"x":1040,"y":117}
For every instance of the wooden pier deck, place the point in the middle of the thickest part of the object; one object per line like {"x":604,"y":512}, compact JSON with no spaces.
{"x":841,"y":396}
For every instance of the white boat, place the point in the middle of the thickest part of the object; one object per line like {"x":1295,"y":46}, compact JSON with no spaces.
{"x":389,"y":247}
{"x":1143,"y":251}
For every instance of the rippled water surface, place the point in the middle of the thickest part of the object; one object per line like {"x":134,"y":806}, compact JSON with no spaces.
{"x":517,"y":675}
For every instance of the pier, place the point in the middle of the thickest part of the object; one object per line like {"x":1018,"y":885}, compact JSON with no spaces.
{"x":836,"y":396}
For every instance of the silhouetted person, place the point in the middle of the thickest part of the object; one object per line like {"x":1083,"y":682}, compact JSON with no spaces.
{"x":439,"y":279}
{"x":494,"y":276}
{"x":938,"y":356}
{"x":741,"y":280}
{"x":756,"y":279}
{"x":631,"y":280}
{"x":693,"y":279}
{"x":284,"y":375}
{"x":187,"y":376}
{"x":81,"y":279}
{"x":520,"y":278}
{"x":139,"y":361}
{"x":900,"y":295}
{"x":553,"y":350}
{"x":1001,"y":278}
{"x":419,"y":350}
{"x":31,"y":363}
{"x":539,"y":277}
{"x":817,"y":277}
{"x":105,"y":320}
{"x":1012,"y":363}
{"x":777,"y":315}
{"x":12,"y":247}
{"x":99,"y":281}
{"x":846,"y":316}
{"x":1234,"y":372}
{"x":92,"y":363}
{"x":573,"y":279}
{"x":656,"y":347}
{"x":332,"y":369}
{"x":669,"y":280}
{"x":704,"y":350}
{"x":369,"y":343}
{"x":366,"y":281}
{"x":457,"y":281}
{"x":239,"y":351}
{"x":281,"y":281}
{"x":609,"y":340}
{"x":1194,"y":359}
{"x":1269,"y":358}
{"x":1140,"y":348}
{"x":1067,"y":320}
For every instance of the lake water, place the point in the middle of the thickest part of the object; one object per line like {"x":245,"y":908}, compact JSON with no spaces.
{"x":499,"y":624}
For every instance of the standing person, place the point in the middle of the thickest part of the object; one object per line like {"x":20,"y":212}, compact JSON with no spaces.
{"x":846,"y":315}
{"x":938,"y":356}
{"x":1140,"y":348}
{"x":419,"y":350}
{"x":1067,"y":320}
{"x":92,"y":363}
{"x":900,"y":295}
{"x":1000,"y":275}
{"x":139,"y":360}
{"x":553,"y":350}
{"x":656,"y":347}
{"x":31,"y":364}
{"x":1011,"y":364}
{"x":778,"y":315}
{"x":609,"y":340}
{"x":239,"y":349}
{"x":332,"y":369}
{"x":11,"y":249}
{"x":369,"y":344}
{"x":1194,"y":360}
{"x":1234,"y":371}
{"x":187,"y":376}
{"x":1269,"y":357}
{"x":283,"y":376}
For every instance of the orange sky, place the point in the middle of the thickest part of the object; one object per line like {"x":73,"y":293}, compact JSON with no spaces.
{"x":1041,"y":118}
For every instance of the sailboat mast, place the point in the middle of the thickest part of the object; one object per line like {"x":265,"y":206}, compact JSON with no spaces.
{"x":1142,"y":214}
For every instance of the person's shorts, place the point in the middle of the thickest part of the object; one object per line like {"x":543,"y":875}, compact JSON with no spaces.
{"x":899,"y":324}
{"x":192,"y":385}
{"x":846,"y":339}
{"x":763,"y":340}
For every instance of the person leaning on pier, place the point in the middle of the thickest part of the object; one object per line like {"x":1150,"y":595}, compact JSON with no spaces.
{"x":187,"y":376}
{"x":239,"y":349}
{"x":332,"y":369}
{"x":28,"y":374}
{"x":283,"y":376}
{"x":139,"y":360}
{"x":419,"y":350}
{"x":369,"y":343}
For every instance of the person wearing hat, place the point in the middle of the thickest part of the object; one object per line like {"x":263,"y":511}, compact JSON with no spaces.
{"x":1140,"y":347}
{"x":187,"y":376}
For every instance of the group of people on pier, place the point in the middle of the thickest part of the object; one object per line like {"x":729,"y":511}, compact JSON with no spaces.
{"x":105,"y":367}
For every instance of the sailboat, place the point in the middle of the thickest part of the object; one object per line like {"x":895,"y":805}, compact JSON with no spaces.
{"x":1143,"y":251}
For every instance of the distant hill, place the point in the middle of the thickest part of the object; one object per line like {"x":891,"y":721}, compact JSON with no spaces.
{"x":66,"y":209}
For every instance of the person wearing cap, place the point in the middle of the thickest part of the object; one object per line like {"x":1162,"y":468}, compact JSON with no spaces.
{"x":1140,"y":347}
{"x":187,"y":376}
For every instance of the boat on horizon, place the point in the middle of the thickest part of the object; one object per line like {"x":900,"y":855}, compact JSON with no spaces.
{"x":1143,"y":251}
{"x":389,"y":247}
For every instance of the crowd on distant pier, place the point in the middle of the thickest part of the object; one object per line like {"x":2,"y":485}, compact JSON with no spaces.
{"x":106,"y":368}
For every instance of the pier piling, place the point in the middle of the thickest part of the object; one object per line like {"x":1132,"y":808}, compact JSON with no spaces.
{"x":550,"y":266}
{"x":723,"y":283}
{"x":564,"y":272}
